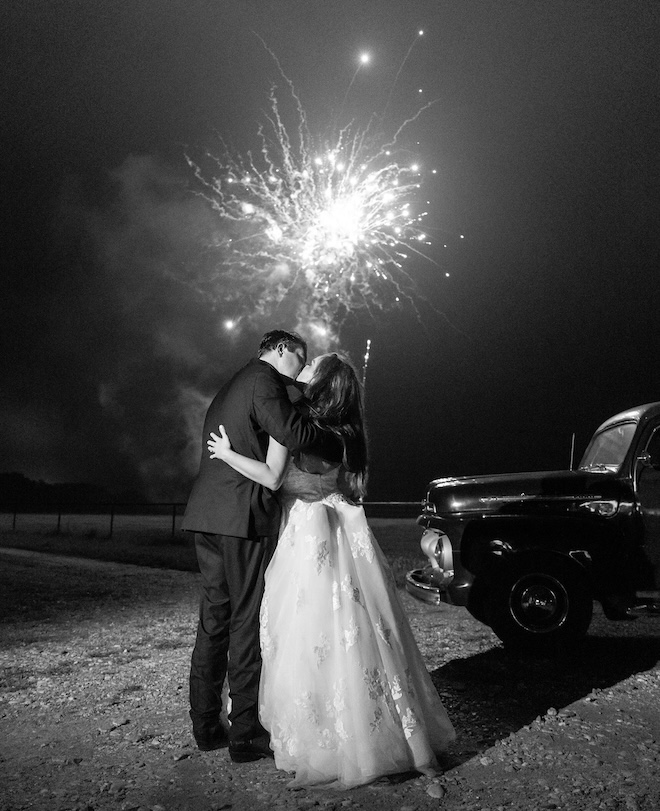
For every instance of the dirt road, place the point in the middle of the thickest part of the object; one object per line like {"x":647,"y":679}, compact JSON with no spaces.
{"x":93,"y":708}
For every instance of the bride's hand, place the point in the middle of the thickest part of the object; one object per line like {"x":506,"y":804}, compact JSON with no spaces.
{"x":219,"y":445}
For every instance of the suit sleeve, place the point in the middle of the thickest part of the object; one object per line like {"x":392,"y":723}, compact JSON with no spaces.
{"x":275,"y":413}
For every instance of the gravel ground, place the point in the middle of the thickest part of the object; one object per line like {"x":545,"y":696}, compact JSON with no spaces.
{"x":93,"y":707}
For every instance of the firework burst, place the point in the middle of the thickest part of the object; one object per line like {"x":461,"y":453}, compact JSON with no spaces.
{"x":320,"y":227}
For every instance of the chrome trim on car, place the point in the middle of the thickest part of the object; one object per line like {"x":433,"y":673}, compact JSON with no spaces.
{"x":536,"y":497}
{"x":605,"y":508}
{"x":582,"y":556}
{"x":437,"y":548}
{"x":425,"y":585}
{"x":499,"y":547}
{"x":428,"y":507}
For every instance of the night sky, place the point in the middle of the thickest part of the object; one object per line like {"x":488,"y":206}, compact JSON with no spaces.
{"x":545,"y":138}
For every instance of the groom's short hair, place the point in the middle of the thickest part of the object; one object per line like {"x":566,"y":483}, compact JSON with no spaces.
{"x":275,"y":337}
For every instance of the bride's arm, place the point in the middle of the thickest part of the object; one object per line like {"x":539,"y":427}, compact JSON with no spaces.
{"x":269,"y":473}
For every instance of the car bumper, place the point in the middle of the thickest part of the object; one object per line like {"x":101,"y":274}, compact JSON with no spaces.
{"x":429,"y":585}
{"x":432,"y":586}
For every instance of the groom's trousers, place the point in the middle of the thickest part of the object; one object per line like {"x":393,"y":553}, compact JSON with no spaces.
{"x":227,"y":642}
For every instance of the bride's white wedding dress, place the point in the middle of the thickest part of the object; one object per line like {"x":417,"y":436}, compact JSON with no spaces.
{"x":344,"y":690}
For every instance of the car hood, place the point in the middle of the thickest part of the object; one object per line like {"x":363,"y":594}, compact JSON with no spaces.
{"x":522,"y":492}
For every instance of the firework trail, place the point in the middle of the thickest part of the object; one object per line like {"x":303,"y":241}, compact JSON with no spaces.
{"x":365,"y":362}
{"x":311,"y":227}
{"x":398,"y":73}
{"x":364,"y":59}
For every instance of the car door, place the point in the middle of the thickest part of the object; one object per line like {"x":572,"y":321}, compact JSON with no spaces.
{"x":648,"y":494}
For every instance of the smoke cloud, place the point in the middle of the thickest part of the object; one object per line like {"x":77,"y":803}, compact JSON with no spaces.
{"x":135,"y":352}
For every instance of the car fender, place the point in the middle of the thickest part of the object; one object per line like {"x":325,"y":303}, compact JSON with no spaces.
{"x":523,"y":559}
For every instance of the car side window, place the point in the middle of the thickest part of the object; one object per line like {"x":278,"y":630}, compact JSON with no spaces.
{"x":653,"y":447}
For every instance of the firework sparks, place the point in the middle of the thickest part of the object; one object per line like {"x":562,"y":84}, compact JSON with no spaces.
{"x":365,"y":362}
{"x":325,"y":225}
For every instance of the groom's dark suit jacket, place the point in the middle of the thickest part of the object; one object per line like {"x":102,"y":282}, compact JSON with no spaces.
{"x":252,"y":406}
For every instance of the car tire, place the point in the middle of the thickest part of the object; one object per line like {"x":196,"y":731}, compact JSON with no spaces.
{"x":539,"y":603}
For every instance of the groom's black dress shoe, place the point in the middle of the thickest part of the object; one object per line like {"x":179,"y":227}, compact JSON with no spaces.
{"x":249,"y":750}
{"x":214,"y":738}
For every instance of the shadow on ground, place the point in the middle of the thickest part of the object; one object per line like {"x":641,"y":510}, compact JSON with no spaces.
{"x":494,"y":693}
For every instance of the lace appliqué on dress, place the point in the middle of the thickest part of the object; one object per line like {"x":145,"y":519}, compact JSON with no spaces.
{"x":322,"y":650}
{"x":409,"y":722}
{"x":318,"y":550}
{"x":349,"y":588}
{"x":265,"y":639}
{"x":334,"y":498}
{"x":383,"y":694}
{"x":351,"y":634}
{"x":383,"y":631}
{"x":361,"y":544}
{"x":374,"y":683}
{"x":410,"y":684}
{"x":309,"y":709}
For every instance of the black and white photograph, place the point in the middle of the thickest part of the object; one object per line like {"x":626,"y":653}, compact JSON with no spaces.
{"x":330,"y":459}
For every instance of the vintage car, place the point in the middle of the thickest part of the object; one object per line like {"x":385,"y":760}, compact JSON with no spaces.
{"x":528,"y":553}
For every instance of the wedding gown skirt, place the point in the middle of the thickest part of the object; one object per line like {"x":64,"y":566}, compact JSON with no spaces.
{"x":344,"y":690}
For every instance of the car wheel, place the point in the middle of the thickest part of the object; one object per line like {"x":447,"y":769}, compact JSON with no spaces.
{"x":540,"y":602}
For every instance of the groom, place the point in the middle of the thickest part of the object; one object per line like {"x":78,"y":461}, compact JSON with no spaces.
{"x":236,"y":522}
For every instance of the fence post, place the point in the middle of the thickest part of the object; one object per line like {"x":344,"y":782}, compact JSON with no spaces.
{"x":173,"y":517}
{"x":112,"y":518}
{"x":59,"y":519}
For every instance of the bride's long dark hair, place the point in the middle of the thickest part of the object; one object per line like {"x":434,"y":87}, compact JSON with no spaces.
{"x":335,"y":402}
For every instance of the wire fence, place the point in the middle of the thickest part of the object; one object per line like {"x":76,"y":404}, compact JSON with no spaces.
{"x":108,"y":519}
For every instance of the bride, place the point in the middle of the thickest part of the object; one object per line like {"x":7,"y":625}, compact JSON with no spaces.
{"x":344,"y":690}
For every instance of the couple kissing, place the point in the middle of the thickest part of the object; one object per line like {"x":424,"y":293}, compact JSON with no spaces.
{"x":299,"y":609}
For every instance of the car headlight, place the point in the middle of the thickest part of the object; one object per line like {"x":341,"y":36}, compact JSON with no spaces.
{"x":437,"y":548}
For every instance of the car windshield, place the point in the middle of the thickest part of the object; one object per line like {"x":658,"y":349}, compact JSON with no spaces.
{"x":608,"y":449}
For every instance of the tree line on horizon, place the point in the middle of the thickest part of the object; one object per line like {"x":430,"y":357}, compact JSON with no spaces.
{"x":18,"y":492}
